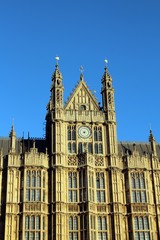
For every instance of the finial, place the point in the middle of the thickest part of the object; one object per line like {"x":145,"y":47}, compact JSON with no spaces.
{"x":13,"y":123}
{"x":57,"y":59}
{"x":81,"y":75}
{"x":150,"y":131}
{"x":106,"y":62}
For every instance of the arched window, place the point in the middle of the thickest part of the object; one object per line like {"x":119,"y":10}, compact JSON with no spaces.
{"x":72,"y":187}
{"x":28,"y":179}
{"x":32,"y":223}
{"x":38,"y":179}
{"x":27,"y":222}
{"x":75,"y":223}
{"x":100,"y":185}
{"x":33,"y":179}
{"x":37,"y":222}
{"x":69,"y":133}
{"x":71,"y":137}
{"x":98,"y":147}
{"x":99,"y":134}
{"x":82,"y":108}
{"x":95,"y":134}
{"x":70,"y":223}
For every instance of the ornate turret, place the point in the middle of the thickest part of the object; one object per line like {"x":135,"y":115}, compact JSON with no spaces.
{"x":12,"y":136}
{"x":107,"y":92}
{"x":55,"y":106}
{"x":57,"y":89}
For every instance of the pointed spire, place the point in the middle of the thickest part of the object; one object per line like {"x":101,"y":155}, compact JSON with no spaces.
{"x":12,"y":133}
{"x":12,"y":136}
{"x":152,"y":143}
{"x":106,"y":79}
{"x":57,"y":89}
{"x":57,"y":74}
{"x":151,"y":137}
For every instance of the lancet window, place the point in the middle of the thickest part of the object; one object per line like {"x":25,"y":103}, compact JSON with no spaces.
{"x":82,"y":185}
{"x":35,"y":227}
{"x":138,"y":187}
{"x":83,"y":226}
{"x":93,"y":227}
{"x":73,"y":228}
{"x":98,"y":146}
{"x":35,"y":186}
{"x":100,"y":185}
{"x":72,"y":187}
{"x":71,"y":137}
{"x":102,"y":228}
{"x":141,"y":227}
{"x":32,"y":227}
{"x":91,"y":186}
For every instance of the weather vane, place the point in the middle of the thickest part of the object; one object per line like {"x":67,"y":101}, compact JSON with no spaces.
{"x":81,"y":69}
{"x":57,"y":59}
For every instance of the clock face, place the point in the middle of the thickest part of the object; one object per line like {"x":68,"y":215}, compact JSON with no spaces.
{"x":84,"y":132}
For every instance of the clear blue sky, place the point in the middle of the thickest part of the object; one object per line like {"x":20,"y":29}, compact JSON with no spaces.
{"x":84,"y":32}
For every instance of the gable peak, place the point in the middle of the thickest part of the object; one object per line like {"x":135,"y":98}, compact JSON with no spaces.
{"x":81,"y":95}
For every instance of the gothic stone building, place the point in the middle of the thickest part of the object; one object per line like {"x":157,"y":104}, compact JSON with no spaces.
{"x":79,"y":183}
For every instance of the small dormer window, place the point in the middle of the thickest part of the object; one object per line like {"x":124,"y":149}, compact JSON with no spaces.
{"x":82,"y":107}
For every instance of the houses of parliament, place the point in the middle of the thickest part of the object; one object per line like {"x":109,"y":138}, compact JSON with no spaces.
{"x":79,"y":182}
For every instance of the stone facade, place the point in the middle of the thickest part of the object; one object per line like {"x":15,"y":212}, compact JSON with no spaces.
{"x":79,"y":183}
